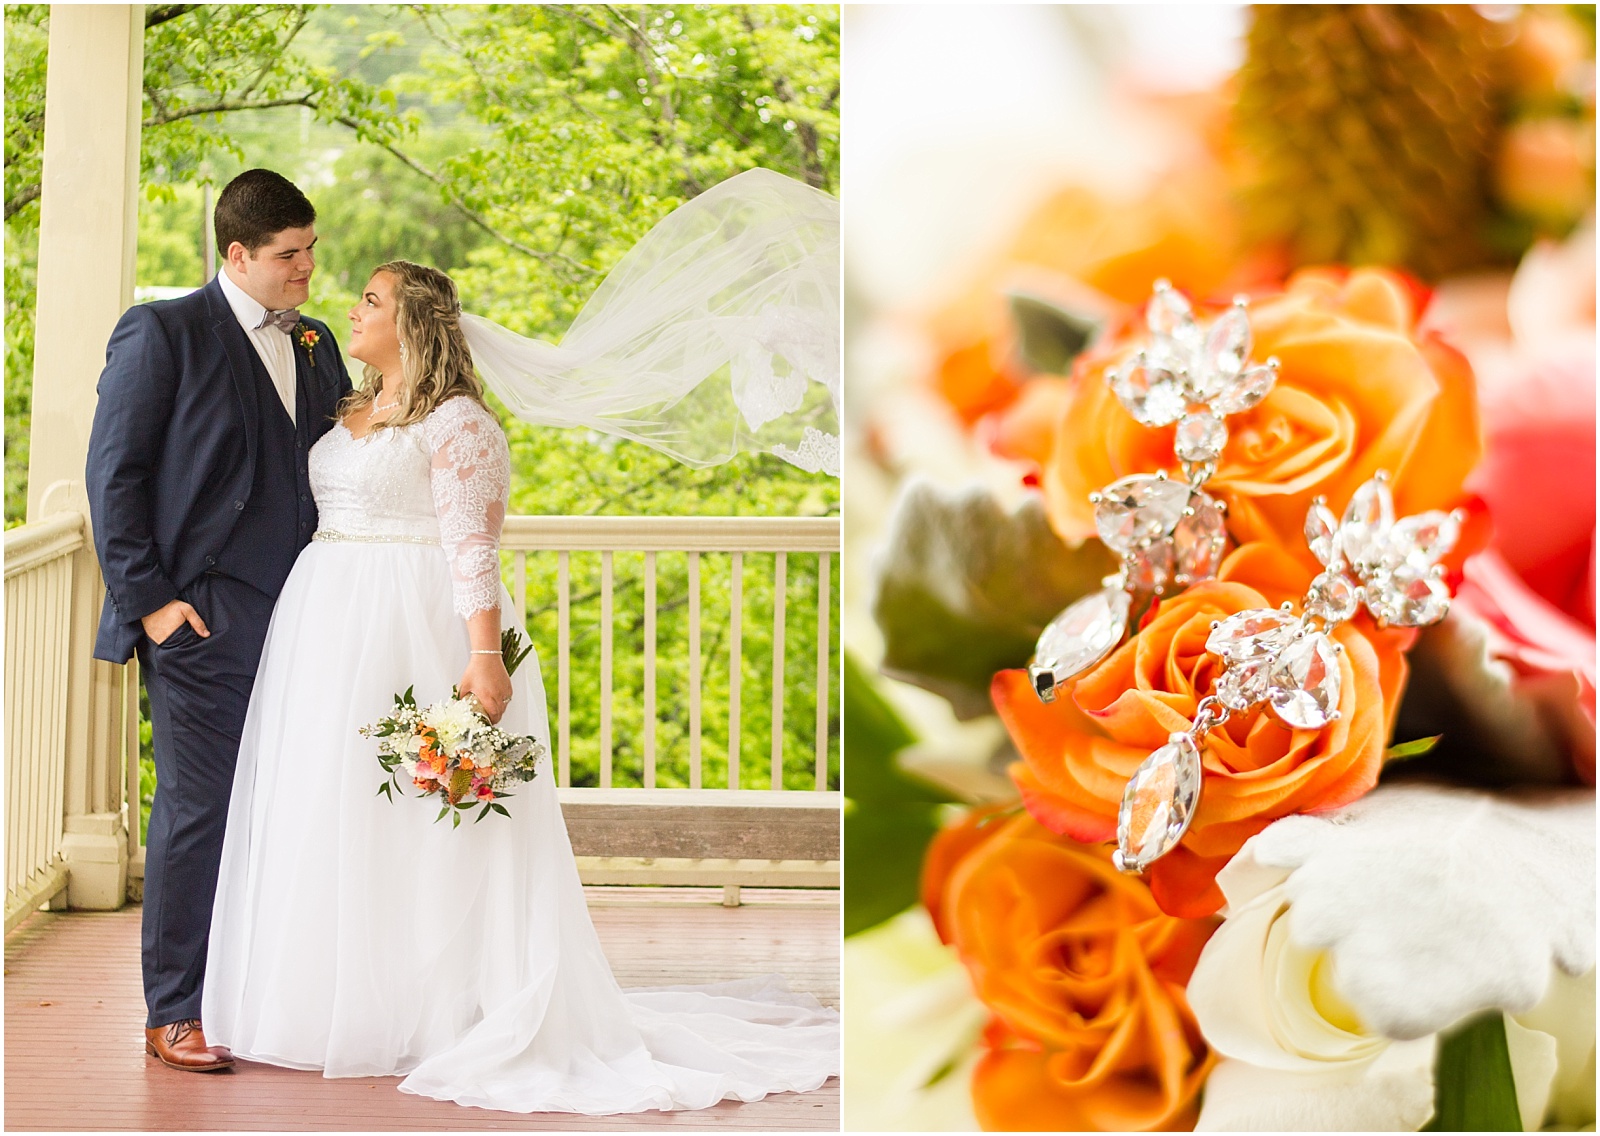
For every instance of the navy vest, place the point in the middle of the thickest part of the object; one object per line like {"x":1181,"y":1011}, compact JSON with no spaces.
{"x":277,"y":520}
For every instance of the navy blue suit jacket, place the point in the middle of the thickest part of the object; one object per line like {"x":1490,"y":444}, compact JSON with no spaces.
{"x":173,"y":450}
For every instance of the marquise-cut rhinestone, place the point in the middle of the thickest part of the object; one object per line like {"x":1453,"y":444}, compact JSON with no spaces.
{"x":1078,"y":638}
{"x":1150,"y":567}
{"x":1149,"y":391}
{"x":1244,"y":683}
{"x":1227,"y":348}
{"x":1168,"y":313}
{"x":1304,"y":687}
{"x":1322,"y":533}
{"x":1332,"y":598}
{"x":1248,"y":388}
{"x":1158,"y":803}
{"x":1421,"y":539}
{"x":1200,"y":539}
{"x":1366,"y":524}
{"x":1408,"y":597}
{"x":1200,"y":437}
{"x":1137,"y":509}
{"x":1252,"y":634}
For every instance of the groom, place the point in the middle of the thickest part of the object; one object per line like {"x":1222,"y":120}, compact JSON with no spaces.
{"x":200,"y":501}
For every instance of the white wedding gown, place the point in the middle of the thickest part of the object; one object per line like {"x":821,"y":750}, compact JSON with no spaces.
{"x":355,"y":935}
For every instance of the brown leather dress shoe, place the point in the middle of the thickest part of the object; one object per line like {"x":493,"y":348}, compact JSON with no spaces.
{"x":183,"y":1046}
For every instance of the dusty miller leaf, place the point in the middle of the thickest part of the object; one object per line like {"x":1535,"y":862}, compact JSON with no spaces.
{"x":965,"y":587}
{"x":1049,"y":337}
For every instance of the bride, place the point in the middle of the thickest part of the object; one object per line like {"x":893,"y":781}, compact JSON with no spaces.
{"x":359,"y":937}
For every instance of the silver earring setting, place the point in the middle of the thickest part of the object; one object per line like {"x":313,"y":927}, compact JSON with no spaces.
{"x":1171,"y":534}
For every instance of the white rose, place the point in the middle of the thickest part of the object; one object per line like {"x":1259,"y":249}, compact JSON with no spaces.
{"x":1351,"y":940}
{"x":912,"y":1030}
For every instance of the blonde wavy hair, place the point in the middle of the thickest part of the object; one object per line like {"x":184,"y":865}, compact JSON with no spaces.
{"x":436,"y":363}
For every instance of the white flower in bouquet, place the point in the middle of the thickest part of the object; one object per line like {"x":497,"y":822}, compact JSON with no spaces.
{"x":1352,"y":940}
{"x":454,"y":720}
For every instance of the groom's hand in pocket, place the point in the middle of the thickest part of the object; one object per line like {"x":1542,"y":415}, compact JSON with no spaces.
{"x":165,"y":620}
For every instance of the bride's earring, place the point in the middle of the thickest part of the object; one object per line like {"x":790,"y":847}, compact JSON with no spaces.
{"x":1169,"y":533}
{"x":402,"y":352}
{"x":1291,"y":663}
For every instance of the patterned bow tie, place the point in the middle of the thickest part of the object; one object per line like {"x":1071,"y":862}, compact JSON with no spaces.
{"x":285,"y":320}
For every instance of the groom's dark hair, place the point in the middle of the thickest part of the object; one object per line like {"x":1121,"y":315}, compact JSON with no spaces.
{"x":256,"y":206}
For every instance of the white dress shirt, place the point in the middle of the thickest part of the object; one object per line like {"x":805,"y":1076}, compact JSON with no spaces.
{"x":275,"y":347}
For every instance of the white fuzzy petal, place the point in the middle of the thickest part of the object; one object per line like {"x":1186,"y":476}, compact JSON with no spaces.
{"x":1438,"y":903}
{"x":1393,"y":1093}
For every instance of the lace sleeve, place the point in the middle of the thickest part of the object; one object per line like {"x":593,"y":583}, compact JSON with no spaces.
{"x":471,"y":484}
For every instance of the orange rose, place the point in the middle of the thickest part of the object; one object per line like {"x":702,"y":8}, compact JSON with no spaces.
{"x":1079,"y":751}
{"x":1359,"y":390}
{"x":1086,"y":978}
{"x":1099,"y":256}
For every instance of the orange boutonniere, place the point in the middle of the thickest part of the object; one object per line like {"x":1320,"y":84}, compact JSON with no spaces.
{"x":308,"y":338}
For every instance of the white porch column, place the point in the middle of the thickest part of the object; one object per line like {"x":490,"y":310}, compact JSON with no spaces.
{"x":88,"y":225}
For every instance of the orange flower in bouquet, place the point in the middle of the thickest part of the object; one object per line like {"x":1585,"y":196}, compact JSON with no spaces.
{"x":1085,"y":977}
{"x":1098,"y":256}
{"x":1080,"y":750}
{"x":1359,"y":389}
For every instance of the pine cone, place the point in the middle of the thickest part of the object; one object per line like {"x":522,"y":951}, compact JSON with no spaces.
{"x":1369,"y":132}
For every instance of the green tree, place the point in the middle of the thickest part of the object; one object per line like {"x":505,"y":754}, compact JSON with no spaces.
{"x":524,"y":149}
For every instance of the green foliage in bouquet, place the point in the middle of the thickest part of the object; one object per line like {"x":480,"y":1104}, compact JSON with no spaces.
{"x":966,"y":586}
{"x":516,"y":759}
{"x":1369,"y":132}
{"x":889,"y":816}
{"x":1473,"y":1087}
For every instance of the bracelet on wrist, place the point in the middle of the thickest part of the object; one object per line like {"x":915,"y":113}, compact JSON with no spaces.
{"x":495,"y":652}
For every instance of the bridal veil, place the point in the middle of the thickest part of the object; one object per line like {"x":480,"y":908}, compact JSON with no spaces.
{"x":717,"y":333}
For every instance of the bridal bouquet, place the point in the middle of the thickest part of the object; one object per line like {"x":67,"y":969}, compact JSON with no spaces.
{"x":1258,"y":794}
{"x":1235,"y":886}
{"x":450,"y":750}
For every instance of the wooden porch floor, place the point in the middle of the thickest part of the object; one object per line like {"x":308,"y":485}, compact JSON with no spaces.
{"x":74,"y":1012}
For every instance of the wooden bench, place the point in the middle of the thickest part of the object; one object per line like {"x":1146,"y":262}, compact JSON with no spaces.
{"x":685,"y":837}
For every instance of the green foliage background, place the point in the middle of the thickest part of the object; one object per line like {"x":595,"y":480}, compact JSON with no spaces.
{"x":523,"y":149}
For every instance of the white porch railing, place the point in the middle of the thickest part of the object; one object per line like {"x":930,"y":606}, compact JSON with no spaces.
{"x":38,"y":575}
{"x":732,"y":835}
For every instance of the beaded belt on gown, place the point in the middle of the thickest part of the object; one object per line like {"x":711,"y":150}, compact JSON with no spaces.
{"x":373,"y":538}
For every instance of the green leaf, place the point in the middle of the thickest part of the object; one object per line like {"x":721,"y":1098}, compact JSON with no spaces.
{"x":883,"y":849}
{"x":1473,"y":1089}
{"x":890,"y":816}
{"x":876,"y":735}
{"x":966,"y":587}
{"x":1411,"y":749}
{"x":1049,"y":337}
